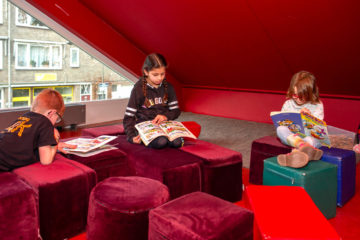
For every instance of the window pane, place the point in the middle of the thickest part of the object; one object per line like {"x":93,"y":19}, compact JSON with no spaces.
{"x":56,"y":57}
{"x":20,"y":104}
{"x":20,"y":92}
{"x":64,"y":90}
{"x":21,"y":55}
{"x":22,"y":17}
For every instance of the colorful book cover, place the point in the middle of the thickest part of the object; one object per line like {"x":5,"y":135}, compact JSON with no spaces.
{"x":304,"y":124}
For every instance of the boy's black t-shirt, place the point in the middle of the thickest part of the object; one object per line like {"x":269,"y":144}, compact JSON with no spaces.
{"x":19,"y":143}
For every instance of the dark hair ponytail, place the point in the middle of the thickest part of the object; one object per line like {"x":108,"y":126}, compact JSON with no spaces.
{"x":154,"y":60}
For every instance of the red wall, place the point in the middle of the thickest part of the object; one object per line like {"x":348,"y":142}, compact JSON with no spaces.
{"x":256,"y":106}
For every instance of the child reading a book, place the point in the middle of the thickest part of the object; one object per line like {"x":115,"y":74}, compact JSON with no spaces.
{"x":152,"y":98}
{"x":302,"y":96}
{"x":32,"y":137}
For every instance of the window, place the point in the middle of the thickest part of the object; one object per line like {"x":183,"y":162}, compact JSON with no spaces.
{"x":1,"y":53}
{"x":102,"y":91}
{"x":1,"y":98}
{"x":74,"y":57}
{"x":67,"y":92}
{"x":85,"y":92}
{"x":23,"y":19}
{"x":38,"y":56}
{"x":21,"y":97}
{"x":1,"y":13}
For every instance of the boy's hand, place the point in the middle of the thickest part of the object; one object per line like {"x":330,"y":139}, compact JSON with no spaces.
{"x":62,"y":145}
{"x":56,"y":135}
{"x":137,"y":139}
{"x":159,"y":119}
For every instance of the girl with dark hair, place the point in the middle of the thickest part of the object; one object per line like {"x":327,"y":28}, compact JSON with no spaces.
{"x":302,"y":96}
{"x":152,"y":98}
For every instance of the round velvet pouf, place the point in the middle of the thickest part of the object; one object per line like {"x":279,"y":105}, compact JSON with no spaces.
{"x":119,"y":207}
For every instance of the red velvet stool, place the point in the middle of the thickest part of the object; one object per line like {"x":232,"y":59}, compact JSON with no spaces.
{"x":18,"y":209}
{"x":63,"y":190}
{"x":262,"y":149}
{"x":112,"y":130}
{"x":286,"y":212}
{"x":200,"y":215}
{"x":221,"y":169}
{"x":119,"y":207}
{"x":111,"y":163}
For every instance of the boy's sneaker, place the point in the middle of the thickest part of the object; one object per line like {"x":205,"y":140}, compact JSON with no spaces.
{"x":295,"y":159}
{"x":312,"y":152}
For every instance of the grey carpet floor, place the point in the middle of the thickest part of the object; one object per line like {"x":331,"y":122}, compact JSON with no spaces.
{"x":230,"y":133}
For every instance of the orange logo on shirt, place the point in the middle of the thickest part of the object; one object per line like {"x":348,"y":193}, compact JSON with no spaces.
{"x":19,"y":125}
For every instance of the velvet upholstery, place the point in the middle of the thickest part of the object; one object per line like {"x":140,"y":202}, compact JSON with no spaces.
{"x":262,"y":149}
{"x":345,"y":160}
{"x":112,"y":130}
{"x":178,"y":170}
{"x":63,"y":189}
{"x":18,"y":209}
{"x":119,"y":207}
{"x":222,"y":169}
{"x":200,"y":216}
{"x":286,"y":212}
{"x":106,"y":164}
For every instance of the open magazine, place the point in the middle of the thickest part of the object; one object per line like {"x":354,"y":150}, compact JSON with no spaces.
{"x":170,"y":129}
{"x":85,"y":145}
{"x":304,"y":124}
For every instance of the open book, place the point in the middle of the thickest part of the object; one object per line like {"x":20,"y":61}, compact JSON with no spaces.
{"x":85,"y":145}
{"x":304,"y":124}
{"x":170,"y":129}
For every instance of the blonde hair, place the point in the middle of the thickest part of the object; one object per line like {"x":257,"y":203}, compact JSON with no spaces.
{"x":307,"y":89}
{"x":48,"y":99}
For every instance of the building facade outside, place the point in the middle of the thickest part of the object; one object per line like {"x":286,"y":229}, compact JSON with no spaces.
{"x":34,"y":57}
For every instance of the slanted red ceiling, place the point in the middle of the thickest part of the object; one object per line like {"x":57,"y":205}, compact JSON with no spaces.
{"x":234,"y":44}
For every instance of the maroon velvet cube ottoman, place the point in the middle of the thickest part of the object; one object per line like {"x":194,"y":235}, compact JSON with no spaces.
{"x":221,"y":169}
{"x":202,"y":216}
{"x":106,"y":164}
{"x":262,"y":149}
{"x":63,"y":190}
{"x":119,"y":207}
{"x":18,"y":209}
{"x":178,"y":170}
{"x":112,"y":130}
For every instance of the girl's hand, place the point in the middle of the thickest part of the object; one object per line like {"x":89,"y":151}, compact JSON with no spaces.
{"x":159,"y":119}
{"x":137,"y":139}
{"x":305,"y":110}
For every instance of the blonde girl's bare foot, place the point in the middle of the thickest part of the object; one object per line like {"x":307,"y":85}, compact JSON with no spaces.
{"x":295,"y":159}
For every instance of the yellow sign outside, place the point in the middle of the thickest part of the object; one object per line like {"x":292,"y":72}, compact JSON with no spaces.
{"x":45,"y":77}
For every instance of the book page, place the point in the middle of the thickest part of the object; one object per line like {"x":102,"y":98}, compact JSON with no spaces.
{"x":149,"y":131}
{"x":98,"y":150}
{"x":87,"y":144}
{"x":175,"y":130}
{"x":292,"y":120}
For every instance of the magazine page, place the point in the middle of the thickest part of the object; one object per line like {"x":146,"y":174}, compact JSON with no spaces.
{"x":98,"y":150}
{"x":175,"y":130}
{"x":292,"y":120}
{"x":149,"y":131}
{"x":316,"y":128}
{"x":87,"y":144}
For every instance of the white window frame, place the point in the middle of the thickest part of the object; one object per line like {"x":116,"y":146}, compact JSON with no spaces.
{"x":2,"y":98}
{"x":1,"y":12}
{"x":1,"y":53}
{"x":27,"y":57}
{"x":90,"y":92}
{"x":77,"y":52}
{"x":28,"y":20}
